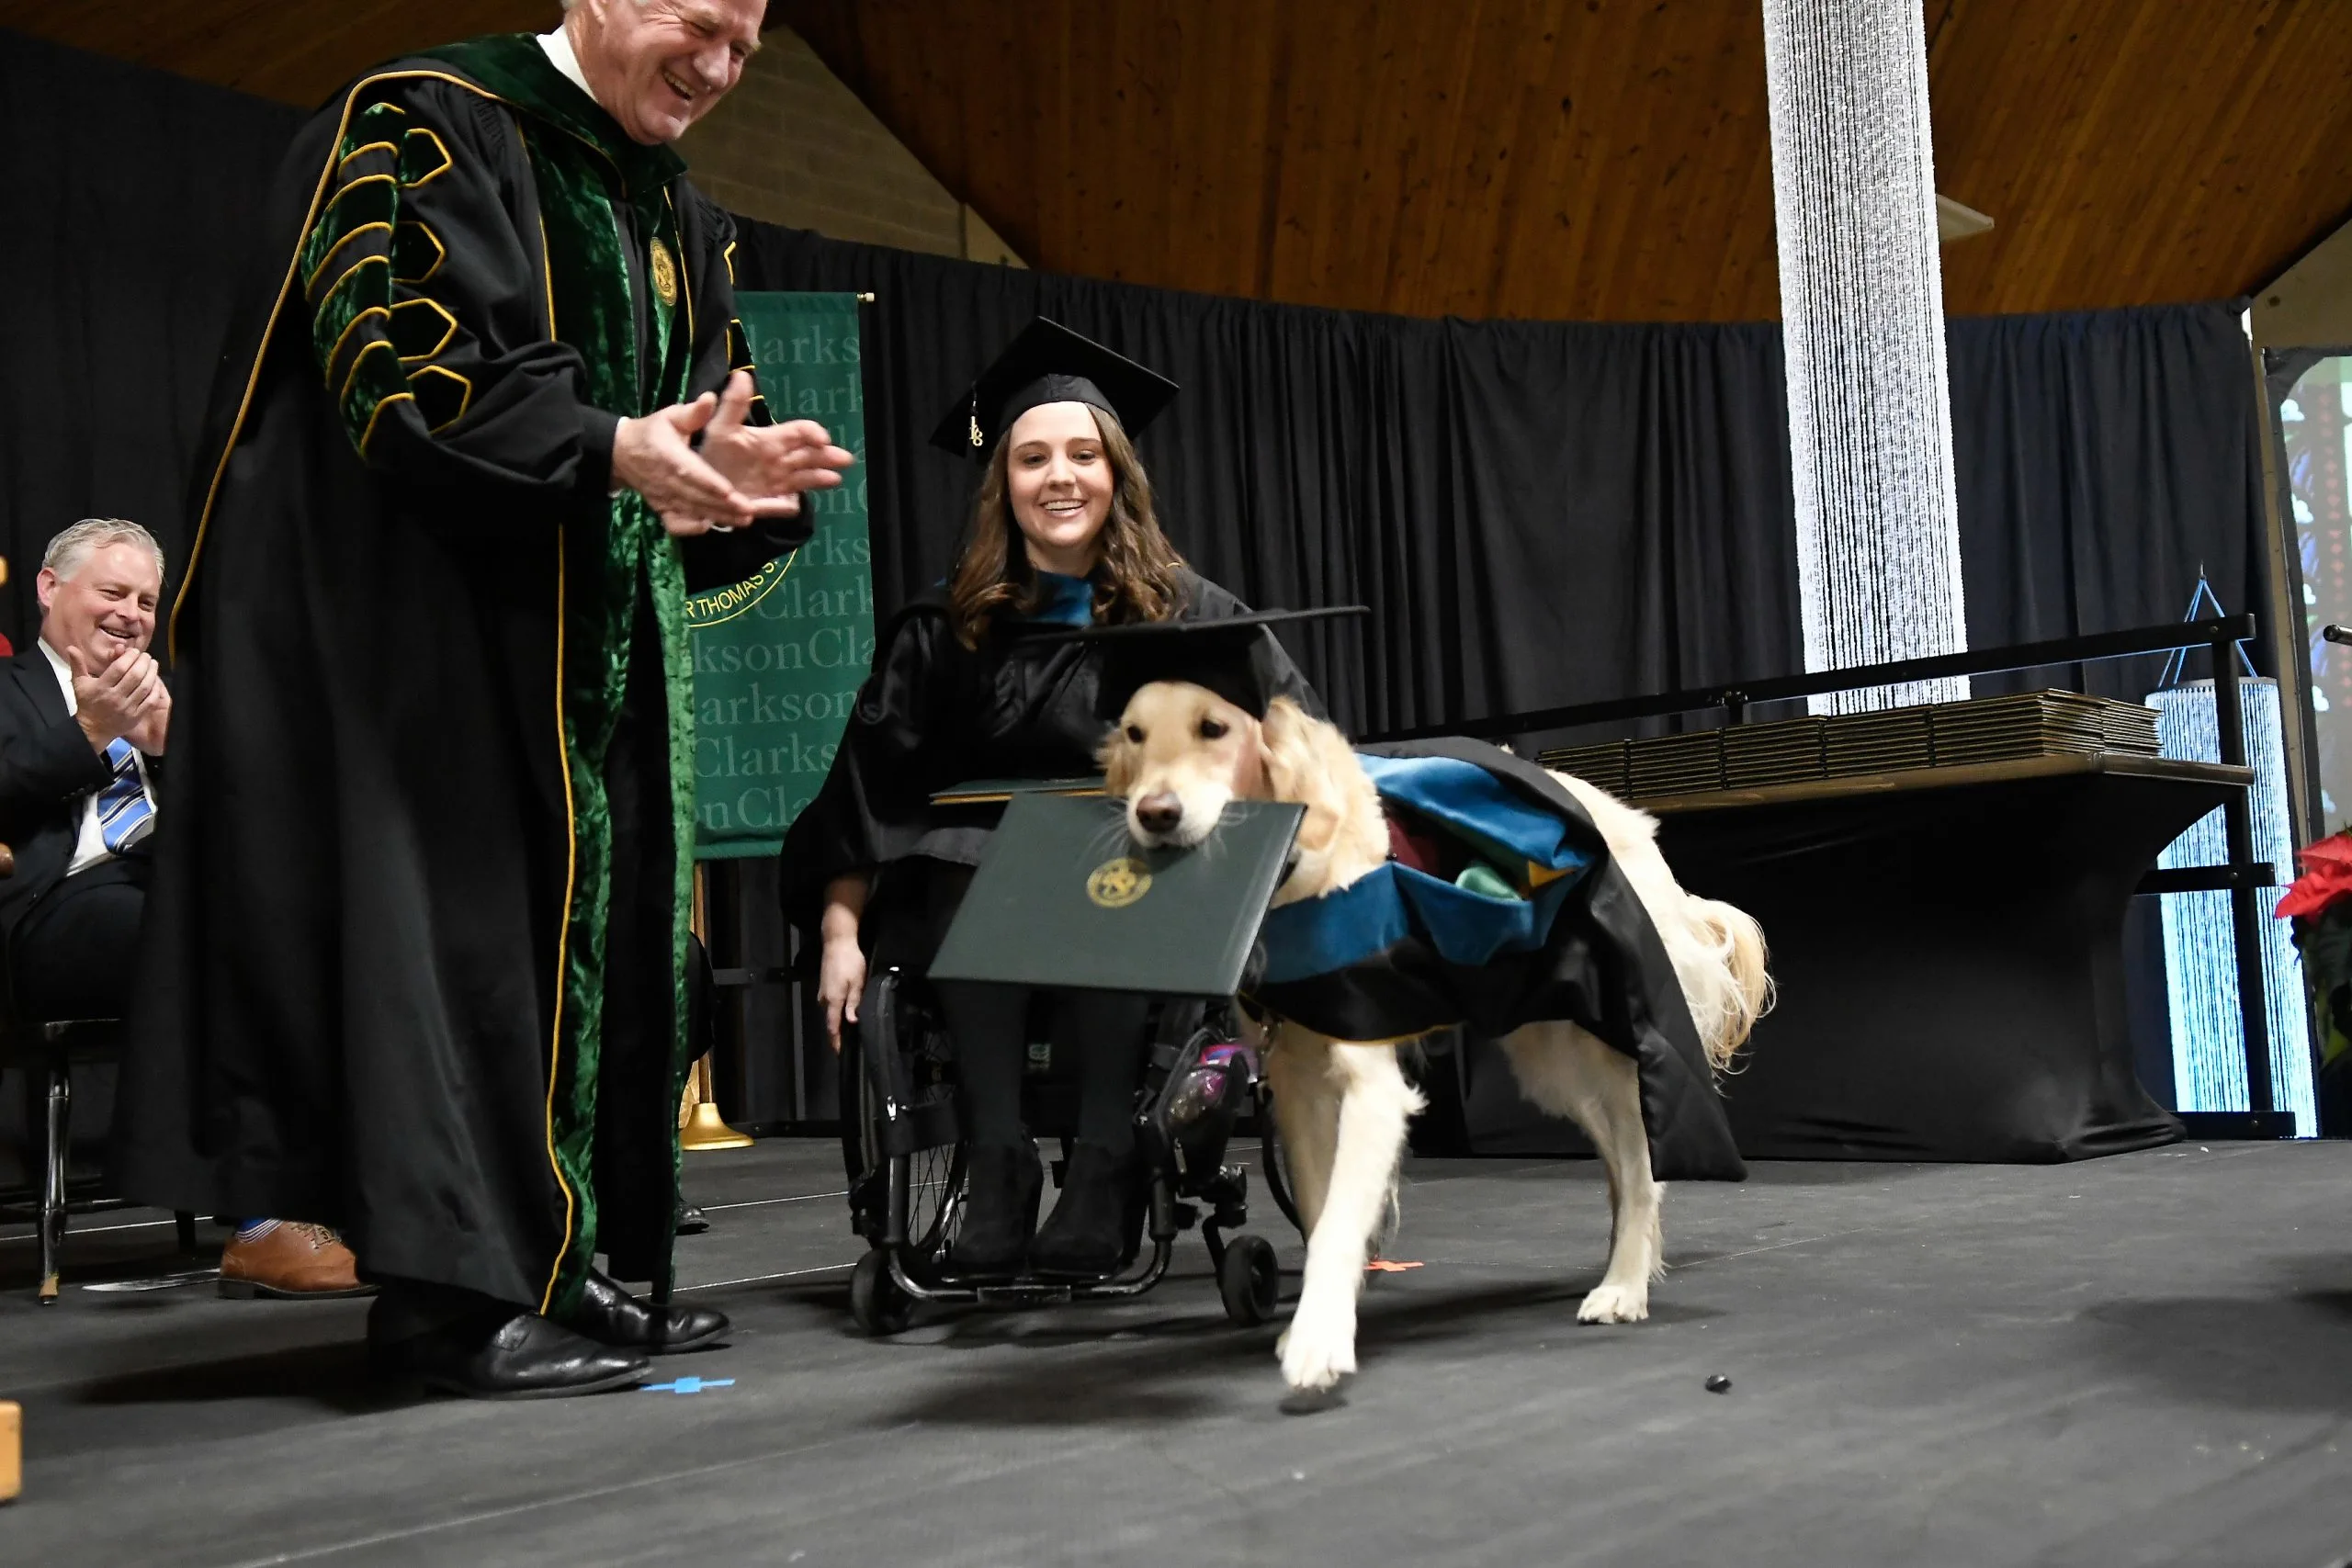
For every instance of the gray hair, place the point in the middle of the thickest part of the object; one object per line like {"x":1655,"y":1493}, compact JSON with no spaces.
{"x":70,"y":549}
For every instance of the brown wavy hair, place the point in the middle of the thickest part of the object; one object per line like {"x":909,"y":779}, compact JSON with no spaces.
{"x":1142,"y":575}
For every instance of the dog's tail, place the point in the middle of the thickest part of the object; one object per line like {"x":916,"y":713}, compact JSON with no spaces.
{"x":1727,"y":1012}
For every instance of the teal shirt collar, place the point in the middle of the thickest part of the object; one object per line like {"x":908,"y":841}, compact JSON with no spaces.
{"x":1063,"y":600}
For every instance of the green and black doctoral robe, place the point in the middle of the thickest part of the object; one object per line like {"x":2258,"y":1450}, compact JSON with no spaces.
{"x":375,"y":956}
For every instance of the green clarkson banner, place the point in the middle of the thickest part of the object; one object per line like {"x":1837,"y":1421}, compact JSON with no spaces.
{"x":778,"y":660}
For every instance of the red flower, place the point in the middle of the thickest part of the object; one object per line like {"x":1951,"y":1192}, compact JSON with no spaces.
{"x":2328,"y":876}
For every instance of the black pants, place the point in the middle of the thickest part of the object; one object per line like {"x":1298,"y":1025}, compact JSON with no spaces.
{"x":636,"y":1201}
{"x":1104,"y":1029}
{"x":74,"y":953}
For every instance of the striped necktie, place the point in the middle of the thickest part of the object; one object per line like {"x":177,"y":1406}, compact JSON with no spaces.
{"x":124,"y":811}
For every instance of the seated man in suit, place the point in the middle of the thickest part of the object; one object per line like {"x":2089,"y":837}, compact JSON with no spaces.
{"x":83,"y":717}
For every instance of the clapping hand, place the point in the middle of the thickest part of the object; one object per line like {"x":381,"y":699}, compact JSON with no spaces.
{"x":655,"y":456}
{"x":126,"y":700}
{"x":777,"y":461}
{"x":742,"y":472}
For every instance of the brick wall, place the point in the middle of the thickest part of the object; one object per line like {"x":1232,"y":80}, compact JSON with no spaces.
{"x":793,"y":145}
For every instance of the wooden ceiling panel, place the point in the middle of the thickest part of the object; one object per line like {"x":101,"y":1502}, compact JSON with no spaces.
{"x":1594,"y":159}
{"x":1602,"y":159}
{"x":297,"y":51}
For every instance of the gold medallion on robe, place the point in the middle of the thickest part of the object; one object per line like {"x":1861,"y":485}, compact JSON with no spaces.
{"x":665,"y":274}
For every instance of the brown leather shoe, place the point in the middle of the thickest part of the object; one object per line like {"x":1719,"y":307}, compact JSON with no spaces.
{"x":291,"y":1262}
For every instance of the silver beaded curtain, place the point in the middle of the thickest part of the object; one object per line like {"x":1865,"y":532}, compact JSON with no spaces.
{"x":1862,"y":307}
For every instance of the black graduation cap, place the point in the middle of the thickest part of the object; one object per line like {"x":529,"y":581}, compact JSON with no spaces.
{"x":1236,"y":657}
{"x":1051,"y":364}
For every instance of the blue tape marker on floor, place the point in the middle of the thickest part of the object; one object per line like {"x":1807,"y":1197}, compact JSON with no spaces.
{"x":687,"y":1385}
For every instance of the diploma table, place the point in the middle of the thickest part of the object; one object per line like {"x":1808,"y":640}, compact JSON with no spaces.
{"x":1947,"y":943}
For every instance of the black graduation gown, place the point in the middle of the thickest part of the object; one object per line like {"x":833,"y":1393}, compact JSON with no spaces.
{"x":1601,"y":964}
{"x":935,"y":714}
{"x":371,"y":985}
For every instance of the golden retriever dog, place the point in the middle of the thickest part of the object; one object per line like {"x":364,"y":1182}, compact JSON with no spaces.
{"x":1180,"y":756}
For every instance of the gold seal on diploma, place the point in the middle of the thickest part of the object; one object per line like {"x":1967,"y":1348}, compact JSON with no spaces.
{"x":665,"y":274}
{"x":1119,"y":883}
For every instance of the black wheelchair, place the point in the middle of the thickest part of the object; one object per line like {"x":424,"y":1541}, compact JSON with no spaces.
{"x":903,"y":1146}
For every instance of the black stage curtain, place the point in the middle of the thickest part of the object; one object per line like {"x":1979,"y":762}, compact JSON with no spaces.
{"x":133,"y":197}
{"x":1548,"y":513}
{"x":1539,"y":513}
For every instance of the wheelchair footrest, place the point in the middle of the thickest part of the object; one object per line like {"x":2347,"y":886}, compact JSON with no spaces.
{"x":1023,"y":1296}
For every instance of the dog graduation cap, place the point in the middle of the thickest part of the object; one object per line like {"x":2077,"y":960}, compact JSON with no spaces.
{"x":1051,"y":364}
{"x":1237,"y":656}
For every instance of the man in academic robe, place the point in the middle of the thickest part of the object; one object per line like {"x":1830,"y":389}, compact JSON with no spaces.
{"x":416,"y":944}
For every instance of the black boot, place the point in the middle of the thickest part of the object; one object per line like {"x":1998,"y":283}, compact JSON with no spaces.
{"x":1088,"y":1235}
{"x":1001,"y":1186}
{"x":610,"y":1315}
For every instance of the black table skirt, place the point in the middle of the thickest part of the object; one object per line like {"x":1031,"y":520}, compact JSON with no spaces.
{"x":1949,"y":948}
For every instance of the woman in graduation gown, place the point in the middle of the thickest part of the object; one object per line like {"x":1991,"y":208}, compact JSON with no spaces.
{"x":969,"y":683}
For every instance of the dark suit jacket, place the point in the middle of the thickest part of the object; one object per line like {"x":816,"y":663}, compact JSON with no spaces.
{"x":46,"y":768}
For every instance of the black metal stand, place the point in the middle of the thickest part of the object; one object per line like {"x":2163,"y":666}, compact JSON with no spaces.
{"x":2240,"y":875}
{"x":734,"y":982}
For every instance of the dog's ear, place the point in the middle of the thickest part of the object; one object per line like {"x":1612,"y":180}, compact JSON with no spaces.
{"x":1296,"y":750}
{"x":1116,"y":757}
{"x":1286,"y":750}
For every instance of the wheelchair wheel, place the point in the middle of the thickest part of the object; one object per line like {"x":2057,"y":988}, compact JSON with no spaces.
{"x":898,"y":1039}
{"x":879,"y":1307}
{"x":934,"y":1199}
{"x":934,"y":1184}
{"x":1250,"y":1281}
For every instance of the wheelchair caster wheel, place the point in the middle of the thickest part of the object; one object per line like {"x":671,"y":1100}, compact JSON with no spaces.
{"x":876,"y":1301}
{"x":1250,"y":1281}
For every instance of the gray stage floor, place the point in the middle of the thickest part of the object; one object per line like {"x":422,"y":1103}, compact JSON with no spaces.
{"x":2138,"y":1360}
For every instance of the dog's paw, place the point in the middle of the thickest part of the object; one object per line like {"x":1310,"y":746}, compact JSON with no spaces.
{"x":1615,"y":1303}
{"x":1317,"y":1351}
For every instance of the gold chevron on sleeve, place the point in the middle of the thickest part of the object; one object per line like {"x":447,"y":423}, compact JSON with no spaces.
{"x":421,"y":165}
{"x":354,"y":184}
{"x":413,"y":326}
{"x":310,"y":284}
{"x":435,"y":386}
{"x":417,"y":250}
{"x":362,"y":150}
{"x":344,"y":340}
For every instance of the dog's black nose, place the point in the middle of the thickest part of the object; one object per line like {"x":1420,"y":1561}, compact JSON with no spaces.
{"x":1160,"y":813}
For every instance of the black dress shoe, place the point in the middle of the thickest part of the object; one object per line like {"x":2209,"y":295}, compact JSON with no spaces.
{"x":610,"y":1315}
{"x":519,"y":1357}
{"x":1088,"y":1235}
{"x":1001,"y":1186}
{"x":692,"y":1221}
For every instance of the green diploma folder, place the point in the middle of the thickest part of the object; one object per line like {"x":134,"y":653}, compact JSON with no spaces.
{"x":992,"y":791}
{"x":1064,"y":898}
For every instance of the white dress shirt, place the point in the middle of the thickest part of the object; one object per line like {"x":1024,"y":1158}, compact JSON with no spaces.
{"x":559,"y":47}
{"x":90,"y":847}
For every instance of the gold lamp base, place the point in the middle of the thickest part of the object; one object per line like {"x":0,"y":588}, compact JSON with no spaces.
{"x":705,"y":1129}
